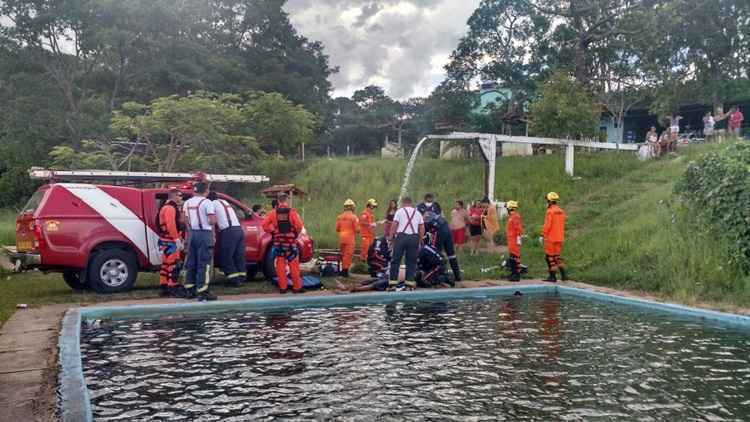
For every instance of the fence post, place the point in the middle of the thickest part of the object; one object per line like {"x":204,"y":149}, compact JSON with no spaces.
{"x":569,"y":159}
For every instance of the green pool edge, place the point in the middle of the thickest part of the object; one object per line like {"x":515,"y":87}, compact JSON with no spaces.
{"x":74,"y":400}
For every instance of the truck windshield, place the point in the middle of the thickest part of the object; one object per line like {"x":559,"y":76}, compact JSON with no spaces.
{"x":34,"y":202}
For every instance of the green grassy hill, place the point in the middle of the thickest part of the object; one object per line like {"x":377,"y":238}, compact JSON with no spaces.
{"x":625,"y":228}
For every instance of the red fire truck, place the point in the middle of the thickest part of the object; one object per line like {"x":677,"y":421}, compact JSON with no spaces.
{"x":100,"y":236}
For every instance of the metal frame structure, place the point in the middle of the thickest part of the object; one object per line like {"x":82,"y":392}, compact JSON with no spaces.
{"x":139,"y":177}
{"x":488,"y":145}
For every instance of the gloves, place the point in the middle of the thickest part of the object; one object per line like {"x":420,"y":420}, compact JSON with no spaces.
{"x":541,"y":240}
{"x":180,"y":246}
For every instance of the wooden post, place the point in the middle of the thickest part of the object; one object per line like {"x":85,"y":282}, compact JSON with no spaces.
{"x":570,"y":150}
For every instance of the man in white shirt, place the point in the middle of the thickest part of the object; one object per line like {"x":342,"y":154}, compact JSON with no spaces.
{"x":231,"y":241}
{"x":201,"y":217}
{"x":409,"y":235}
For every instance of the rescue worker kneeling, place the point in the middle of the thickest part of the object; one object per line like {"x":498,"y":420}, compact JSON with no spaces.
{"x":441,"y":239}
{"x":347,"y":226}
{"x":285,"y":225}
{"x":553,"y":236}
{"x":201,"y":217}
{"x":379,"y":266}
{"x":514,"y":236}
{"x":171,"y":232}
{"x":231,"y":241}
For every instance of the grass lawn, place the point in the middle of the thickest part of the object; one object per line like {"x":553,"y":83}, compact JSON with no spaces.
{"x":625,"y":227}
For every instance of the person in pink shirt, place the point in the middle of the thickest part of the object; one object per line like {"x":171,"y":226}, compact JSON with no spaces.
{"x":735,"y":121}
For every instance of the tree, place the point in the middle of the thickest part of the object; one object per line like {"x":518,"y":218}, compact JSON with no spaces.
{"x":564,"y":108}
{"x":276,"y":123}
{"x":171,"y":133}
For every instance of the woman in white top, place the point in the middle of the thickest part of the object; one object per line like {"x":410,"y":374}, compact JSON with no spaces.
{"x":708,"y":125}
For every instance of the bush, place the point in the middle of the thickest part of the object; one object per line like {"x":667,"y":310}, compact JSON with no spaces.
{"x":718,"y":187}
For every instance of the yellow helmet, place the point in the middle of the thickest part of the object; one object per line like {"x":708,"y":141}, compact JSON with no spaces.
{"x":349,"y":203}
{"x":372,"y":202}
{"x":511,"y":205}
{"x":553,"y":197}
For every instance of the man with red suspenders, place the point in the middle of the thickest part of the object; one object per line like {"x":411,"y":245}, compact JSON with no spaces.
{"x":201,"y":217}
{"x":409,"y":235}
{"x":231,"y":241}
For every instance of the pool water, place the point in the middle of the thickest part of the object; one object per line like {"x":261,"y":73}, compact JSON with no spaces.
{"x":519,"y":358}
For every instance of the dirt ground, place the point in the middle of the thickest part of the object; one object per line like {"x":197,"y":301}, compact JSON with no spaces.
{"x":28,"y":348}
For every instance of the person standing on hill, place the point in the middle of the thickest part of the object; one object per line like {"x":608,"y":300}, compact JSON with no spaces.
{"x":347,"y":226}
{"x":553,"y":236}
{"x":389,"y":225}
{"x":459,"y":218}
{"x":367,"y":225}
{"x":430,"y":205}
{"x":735,"y":121}
{"x":409,"y":235}
{"x":514,"y":236}
{"x":475,"y":226}
{"x":285,"y":225}
{"x":490,"y":223}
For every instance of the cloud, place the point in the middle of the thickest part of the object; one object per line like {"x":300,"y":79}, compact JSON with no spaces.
{"x":399,"y":44}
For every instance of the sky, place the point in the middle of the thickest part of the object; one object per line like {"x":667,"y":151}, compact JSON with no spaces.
{"x":401,"y":45}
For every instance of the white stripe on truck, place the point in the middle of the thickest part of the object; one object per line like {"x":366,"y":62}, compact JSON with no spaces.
{"x":120,"y":217}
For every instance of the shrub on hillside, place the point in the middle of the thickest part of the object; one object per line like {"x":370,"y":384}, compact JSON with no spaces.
{"x":718,"y":186}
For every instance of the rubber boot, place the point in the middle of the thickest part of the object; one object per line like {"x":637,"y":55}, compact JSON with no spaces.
{"x":191,"y":293}
{"x":206,"y":296}
{"x":177,"y":292}
{"x":163,"y":290}
{"x":344,"y":273}
{"x":456,"y":270}
{"x":563,"y":274}
{"x":552,"y":278}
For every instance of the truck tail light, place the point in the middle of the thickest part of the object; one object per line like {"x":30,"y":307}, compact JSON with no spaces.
{"x":38,"y":237}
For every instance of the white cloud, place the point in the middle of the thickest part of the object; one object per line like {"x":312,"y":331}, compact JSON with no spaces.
{"x":401,"y":45}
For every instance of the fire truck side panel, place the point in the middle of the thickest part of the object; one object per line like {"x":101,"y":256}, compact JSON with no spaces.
{"x":71,"y":229}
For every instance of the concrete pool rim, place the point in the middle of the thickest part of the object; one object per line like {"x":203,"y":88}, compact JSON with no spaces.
{"x":74,"y":400}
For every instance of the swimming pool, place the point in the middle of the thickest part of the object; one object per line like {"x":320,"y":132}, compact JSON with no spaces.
{"x":550,"y":354}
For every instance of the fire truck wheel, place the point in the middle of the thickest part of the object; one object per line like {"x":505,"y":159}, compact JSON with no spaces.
{"x":73,"y":280}
{"x":113,"y":270}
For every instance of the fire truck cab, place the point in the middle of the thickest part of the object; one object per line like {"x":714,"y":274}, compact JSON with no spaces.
{"x":101,"y":236}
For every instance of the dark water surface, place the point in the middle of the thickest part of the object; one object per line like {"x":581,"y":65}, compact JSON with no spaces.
{"x":521,"y":359}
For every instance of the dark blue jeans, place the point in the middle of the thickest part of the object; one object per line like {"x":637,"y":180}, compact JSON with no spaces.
{"x":405,"y":245}
{"x":199,"y":256}
{"x":232,"y":252}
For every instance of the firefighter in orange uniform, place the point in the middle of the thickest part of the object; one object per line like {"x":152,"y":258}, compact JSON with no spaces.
{"x":514,"y":234}
{"x":367,"y":227}
{"x":553,"y":236}
{"x":285,"y":225}
{"x":347,"y":226}
{"x":171,"y":230}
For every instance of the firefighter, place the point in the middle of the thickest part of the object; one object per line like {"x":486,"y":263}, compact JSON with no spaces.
{"x":367,"y":227}
{"x":441,"y":239}
{"x":201,"y":217}
{"x":285,"y":225}
{"x":231,"y":241}
{"x":347,"y":226}
{"x":553,"y":236}
{"x":514,"y":235}
{"x":171,"y":232}
{"x":429,"y":204}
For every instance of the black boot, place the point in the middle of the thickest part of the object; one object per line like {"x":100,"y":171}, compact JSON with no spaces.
{"x":206,"y":296}
{"x":344,"y":273}
{"x":177,"y":292}
{"x":456,"y":269}
{"x":191,"y":293}
{"x":552,"y":278}
{"x":563,"y":274}
{"x":163,"y":291}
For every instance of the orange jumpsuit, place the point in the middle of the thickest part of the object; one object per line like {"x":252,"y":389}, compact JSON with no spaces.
{"x":289,"y":257}
{"x":170,"y":233}
{"x":554,"y":236}
{"x":347,"y":226}
{"x":367,"y":231}
{"x":513,"y":233}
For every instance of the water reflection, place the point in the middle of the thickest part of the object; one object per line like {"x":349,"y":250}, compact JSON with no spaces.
{"x":520,"y":358}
